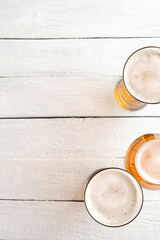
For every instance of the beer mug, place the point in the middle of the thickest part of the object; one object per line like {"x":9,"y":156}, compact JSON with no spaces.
{"x":143,"y":160}
{"x":140,"y":84}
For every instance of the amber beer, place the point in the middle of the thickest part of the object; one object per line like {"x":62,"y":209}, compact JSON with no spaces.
{"x":140,"y":84}
{"x":143,"y":160}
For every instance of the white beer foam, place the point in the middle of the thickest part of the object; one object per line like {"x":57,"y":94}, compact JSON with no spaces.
{"x":142,"y":75}
{"x":148,"y":161}
{"x":113,"y":197}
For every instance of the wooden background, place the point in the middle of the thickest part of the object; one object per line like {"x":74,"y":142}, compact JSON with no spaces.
{"x":59,"y":63}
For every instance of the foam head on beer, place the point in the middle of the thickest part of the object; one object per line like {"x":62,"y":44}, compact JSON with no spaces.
{"x":113,"y":197}
{"x":142,"y":75}
{"x":148,"y":161}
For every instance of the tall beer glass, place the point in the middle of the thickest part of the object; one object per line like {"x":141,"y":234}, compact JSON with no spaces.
{"x":140,"y":84}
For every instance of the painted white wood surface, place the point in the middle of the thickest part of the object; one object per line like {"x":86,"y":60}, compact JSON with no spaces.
{"x":70,"y":221}
{"x":63,"y":96}
{"x":74,"y":18}
{"x":52,"y":159}
{"x":65,"y":77}
{"x":45,"y":163}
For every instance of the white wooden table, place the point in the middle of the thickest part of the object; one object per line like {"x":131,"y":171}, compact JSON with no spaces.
{"x":59,"y":63}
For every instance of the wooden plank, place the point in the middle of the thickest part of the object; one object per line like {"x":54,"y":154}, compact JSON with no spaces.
{"x":60,"y":96}
{"x":69,"y":77}
{"x":92,"y":58}
{"x":70,"y":221}
{"x":74,"y":18}
{"x":53,"y":159}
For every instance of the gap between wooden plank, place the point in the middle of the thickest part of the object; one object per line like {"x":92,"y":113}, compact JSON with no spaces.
{"x":50,"y":200}
{"x":76,"y":117}
{"x":40,"y":200}
{"x":77,"y":38}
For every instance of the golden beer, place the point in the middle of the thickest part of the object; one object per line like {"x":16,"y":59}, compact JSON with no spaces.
{"x":124,"y":99}
{"x":136,"y":148}
{"x":140,"y":84}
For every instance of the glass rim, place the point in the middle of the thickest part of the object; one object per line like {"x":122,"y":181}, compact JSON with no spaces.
{"x":109,"y":168}
{"x":124,"y":71}
{"x":136,"y":160}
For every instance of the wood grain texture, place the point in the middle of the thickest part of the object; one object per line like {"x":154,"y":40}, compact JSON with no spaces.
{"x":65,"y":77}
{"x":70,"y":221}
{"x":74,"y":18}
{"x":53,"y":159}
{"x":62,"y":96}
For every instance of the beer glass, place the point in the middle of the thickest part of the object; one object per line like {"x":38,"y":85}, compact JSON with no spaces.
{"x":140,"y":83}
{"x":143,"y":160}
{"x":113,"y":197}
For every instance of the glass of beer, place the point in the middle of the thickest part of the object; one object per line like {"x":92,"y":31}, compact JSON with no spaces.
{"x":143,"y":160}
{"x":113,"y":197}
{"x":140,"y":84}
